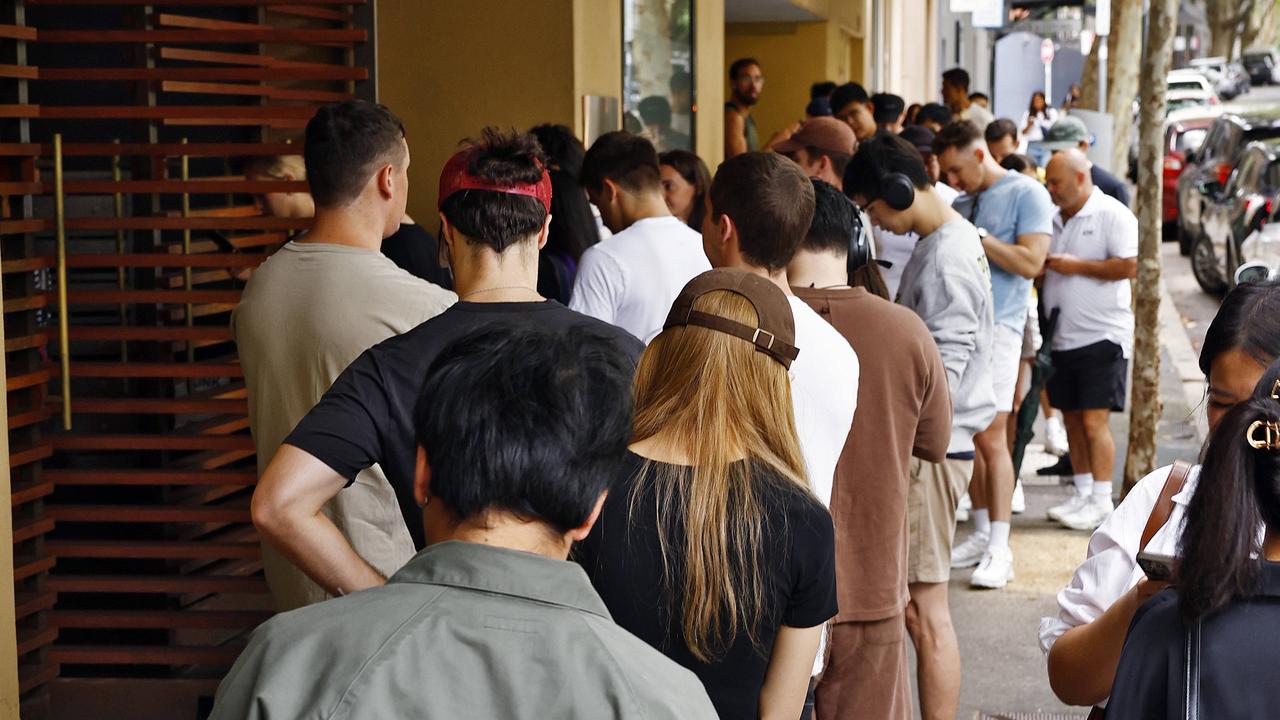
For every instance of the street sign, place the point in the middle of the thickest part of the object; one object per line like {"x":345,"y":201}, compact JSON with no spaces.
{"x":1102,"y":18}
{"x":1046,"y":51}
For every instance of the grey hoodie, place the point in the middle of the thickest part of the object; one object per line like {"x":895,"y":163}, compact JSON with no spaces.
{"x":947,"y":282}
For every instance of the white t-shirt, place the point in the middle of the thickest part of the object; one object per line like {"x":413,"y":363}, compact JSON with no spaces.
{"x":1092,"y":310}
{"x":1043,"y":122}
{"x":897,"y":248}
{"x":824,"y":396}
{"x":631,"y":279}
{"x":977,"y":115}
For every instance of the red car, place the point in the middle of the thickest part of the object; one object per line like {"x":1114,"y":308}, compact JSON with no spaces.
{"x":1180,"y":138}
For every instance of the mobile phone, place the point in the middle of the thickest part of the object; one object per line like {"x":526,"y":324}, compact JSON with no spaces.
{"x":1160,"y":568}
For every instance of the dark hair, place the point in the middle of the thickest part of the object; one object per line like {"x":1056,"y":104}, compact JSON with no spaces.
{"x":739,"y":65}
{"x":1248,"y":320}
{"x":821,"y":89}
{"x":769,"y":200}
{"x":936,"y":112}
{"x":839,"y":161}
{"x":573,"y":227}
{"x":655,"y":110}
{"x":346,"y":143}
{"x":913,"y":111}
{"x":979,"y":96}
{"x":694,"y":172}
{"x":959,"y":134}
{"x":1018,"y":162}
{"x":850,"y":92}
{"x":563,"y":149}
{"x":1239,"y":490}
{"x":493,"y":218}
{"x":532,"y":422}
{"x":680,"y":80}
{"x":835,"y":219}
{"x":628,"y":160}
{"x":999,"y":128}
{"x":883,"y":154}
{"x":888,"y":108}
{"x":957,"y":77}
{"x":1031,"y":104}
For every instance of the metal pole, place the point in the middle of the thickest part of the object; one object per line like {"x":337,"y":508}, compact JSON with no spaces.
{"x":1102,"y":74}
{"x":1048,"y":81}
{"x":64,"y":334}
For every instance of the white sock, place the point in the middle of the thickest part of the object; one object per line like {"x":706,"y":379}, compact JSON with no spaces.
{"x":1055,"y":424}
{"x":999,"y":534}
{"x":1084,"y":483}
{"x":981,"y":521}
{"x":1102,"y":489}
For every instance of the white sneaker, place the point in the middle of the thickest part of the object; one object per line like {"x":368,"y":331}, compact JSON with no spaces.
{"x":1073,"y":504}
{"x":1019,"y":504}
{"x":1090,"y":515}
{"x":962,"y":510}
{"x":969,"y":552}
{"x":1055,"y":440}
{"x":995,"y":571}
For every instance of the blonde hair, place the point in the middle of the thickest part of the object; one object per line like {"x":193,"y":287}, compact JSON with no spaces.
{"x":724,"y":402}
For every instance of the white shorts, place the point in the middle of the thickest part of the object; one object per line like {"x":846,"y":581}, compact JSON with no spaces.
{"x":1006,"y":356}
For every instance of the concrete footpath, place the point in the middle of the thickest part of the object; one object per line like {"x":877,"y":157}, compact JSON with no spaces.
{"x":1003,"y":668}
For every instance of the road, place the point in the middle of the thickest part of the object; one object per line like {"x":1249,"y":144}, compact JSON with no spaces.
{"x":1004,"y":670}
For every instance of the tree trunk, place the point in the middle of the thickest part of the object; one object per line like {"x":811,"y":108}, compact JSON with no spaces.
{"x":1124,"y":52}
{"x":1260,"y":29}
{"x":1145,"y":402}
{"x":1225,"y":18}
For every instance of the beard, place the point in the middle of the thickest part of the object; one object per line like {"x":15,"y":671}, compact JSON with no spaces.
{"x":745,"y":99}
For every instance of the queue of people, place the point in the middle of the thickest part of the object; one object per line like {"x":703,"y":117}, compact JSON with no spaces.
{"x":708,"y":436}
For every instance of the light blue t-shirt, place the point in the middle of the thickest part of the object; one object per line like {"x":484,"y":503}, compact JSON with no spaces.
{"x":1014,"y":205}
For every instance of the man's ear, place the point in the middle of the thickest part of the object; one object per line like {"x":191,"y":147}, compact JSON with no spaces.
{"x":421,"y":478}
{"x":609,"y":191}
{"x":582,"y":531}
{"x":386,"y":180}
{"x":545,"y":232}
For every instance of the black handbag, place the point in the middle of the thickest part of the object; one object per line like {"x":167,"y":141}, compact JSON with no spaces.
{"x":1191,"y":675}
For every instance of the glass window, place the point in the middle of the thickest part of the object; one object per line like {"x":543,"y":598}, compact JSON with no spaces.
{"x":657,"y":71}
{"x":1190,"y":140}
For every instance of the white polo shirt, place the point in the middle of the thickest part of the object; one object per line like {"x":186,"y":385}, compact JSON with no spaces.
{"x":1092,"y":310}
{"x":631,"y":279}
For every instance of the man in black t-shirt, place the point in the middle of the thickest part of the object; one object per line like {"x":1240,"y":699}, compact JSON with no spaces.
{"x":495,"y":199}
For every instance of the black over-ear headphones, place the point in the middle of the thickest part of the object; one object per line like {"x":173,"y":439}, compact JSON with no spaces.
{"x":897,"y":191}
{"x":859,"y":246}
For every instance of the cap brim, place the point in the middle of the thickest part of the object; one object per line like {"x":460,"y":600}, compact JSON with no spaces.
{"x":788,"y":146}
{"x":1059,"y":144}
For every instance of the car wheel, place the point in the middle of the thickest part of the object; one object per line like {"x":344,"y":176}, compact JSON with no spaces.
{"x":1206,"y":267}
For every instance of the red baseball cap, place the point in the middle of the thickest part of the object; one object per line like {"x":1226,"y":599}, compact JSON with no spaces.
{"x":456,"y":176}
{"x":825,"y":133}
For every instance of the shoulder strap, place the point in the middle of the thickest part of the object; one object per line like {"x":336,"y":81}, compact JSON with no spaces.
{"x":1164,"y":504}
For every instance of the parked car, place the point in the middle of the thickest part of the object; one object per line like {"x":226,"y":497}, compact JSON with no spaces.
{"x":1206,"y":170}
{"x":1182,"y":111}
{"x":1232,"y":215}
{"x":1187,"y":79}
{"x":1229,"y":79}
{"x":1184,"y":133}
{"x":1263,"y":65}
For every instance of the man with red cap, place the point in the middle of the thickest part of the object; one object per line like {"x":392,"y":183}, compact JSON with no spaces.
{"x":495,"y":200}
{"x":822,"y":147}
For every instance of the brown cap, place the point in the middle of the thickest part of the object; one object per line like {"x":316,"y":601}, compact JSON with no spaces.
{"x":824,"y":133}
{"x":776,"y":334}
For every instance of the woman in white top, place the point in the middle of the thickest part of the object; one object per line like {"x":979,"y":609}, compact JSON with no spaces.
{"x":1039,"y":117}
{"x":1094,"y":611}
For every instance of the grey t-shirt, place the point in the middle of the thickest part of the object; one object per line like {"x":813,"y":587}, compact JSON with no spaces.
{"x":947,"y":282}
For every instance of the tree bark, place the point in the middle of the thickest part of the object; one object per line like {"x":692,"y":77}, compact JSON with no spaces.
{"x":1145,"y":402}
{"x":1225,"y":18}
{"x":1260,"y":30}
{"x":1124,"y":52}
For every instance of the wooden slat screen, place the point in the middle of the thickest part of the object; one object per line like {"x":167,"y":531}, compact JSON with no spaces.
{"x":134,"y":555}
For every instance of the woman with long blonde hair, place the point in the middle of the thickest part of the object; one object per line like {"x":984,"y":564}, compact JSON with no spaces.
{"x":711,"y":545}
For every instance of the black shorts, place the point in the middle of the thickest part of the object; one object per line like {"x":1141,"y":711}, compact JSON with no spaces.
{"x":1089,"y":378}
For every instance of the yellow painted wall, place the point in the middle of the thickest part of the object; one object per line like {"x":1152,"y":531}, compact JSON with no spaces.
{"x":710,"y":78}
{"x":792,"y":57}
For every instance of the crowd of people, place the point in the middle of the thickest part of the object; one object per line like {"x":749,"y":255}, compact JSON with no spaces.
{"x":630,"y":438}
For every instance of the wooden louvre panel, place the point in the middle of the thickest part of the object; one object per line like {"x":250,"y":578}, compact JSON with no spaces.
{"x":135,"y":557}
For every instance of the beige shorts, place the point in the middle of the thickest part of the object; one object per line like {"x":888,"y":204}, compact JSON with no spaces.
{"x":932,"y":497}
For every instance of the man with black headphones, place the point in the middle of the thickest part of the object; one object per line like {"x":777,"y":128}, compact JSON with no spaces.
{"x":903,"y":410}
{"x":948,"y":284}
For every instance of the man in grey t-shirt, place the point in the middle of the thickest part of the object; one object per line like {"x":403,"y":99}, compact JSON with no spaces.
{"x":948,"y":284}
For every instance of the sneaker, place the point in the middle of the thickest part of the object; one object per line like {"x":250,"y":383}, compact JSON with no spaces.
{"x":1090,"y":515}
{"x":1062,"y":468}
{"x":1073,"y":504}
{"x":1019,"y":504}
{"x":1055,"y":441}
{"x":970,"y":552}
{"x":962,"y":510}
{"x":995,"y":571}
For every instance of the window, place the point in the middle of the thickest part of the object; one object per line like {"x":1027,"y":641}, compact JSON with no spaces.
{"x":658,"y":99}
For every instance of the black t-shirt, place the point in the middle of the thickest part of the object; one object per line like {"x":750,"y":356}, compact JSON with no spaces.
{"x":623,"y":558}
{"x":416,"y":251}
{"x":366,"y":417}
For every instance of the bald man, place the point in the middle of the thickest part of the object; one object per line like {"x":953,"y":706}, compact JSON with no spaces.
{"x":1092,"y":258}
